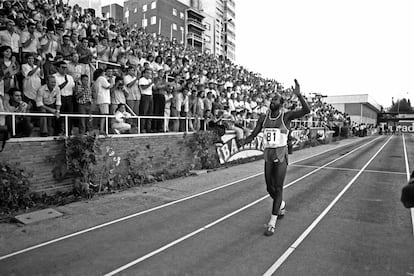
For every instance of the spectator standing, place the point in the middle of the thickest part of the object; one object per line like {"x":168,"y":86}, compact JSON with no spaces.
{"x":146,"y":106}
{"x":167,"y":108}
{"x":133,"y":90}
{"x":75,"y":69}
{"x":9,"y":67}
{"x":9,"y":37}
{"x":83,"y":95}
{"x":118,"y":95}
{"x":49,"y":43}
{"x":85,"y":54}
{"x":66,"y":85}
{"x":198,"y":111}
{"x":66,"y":48}
{"x":30,"y":43}
{"x":159,"y":92}
{"x":103,"y":95}
{"x":33,"y":74}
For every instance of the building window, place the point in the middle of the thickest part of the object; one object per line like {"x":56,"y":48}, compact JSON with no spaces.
{"x":153,"y":20}
{"x":182,"y":29}
{"x":181,"y":15}
{"x":127,"y":13}
{"x":174,"y":26}
{"x":144,"y":22}
{"x":144,"y":8}
{"x":174,"y":12}
{"x":207,"y":38}
{"x":135,"y":10}
{"x":153,"y":5}
{"x":207,"y":25}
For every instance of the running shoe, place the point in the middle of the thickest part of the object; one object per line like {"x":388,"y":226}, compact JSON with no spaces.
{"x":282,"y":210}
{"x":270,"y":230}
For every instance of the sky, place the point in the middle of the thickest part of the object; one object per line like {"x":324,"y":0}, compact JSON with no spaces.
{"x":333,"y":47}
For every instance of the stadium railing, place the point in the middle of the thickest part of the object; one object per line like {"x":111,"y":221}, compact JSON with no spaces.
{"x":132,"y":119}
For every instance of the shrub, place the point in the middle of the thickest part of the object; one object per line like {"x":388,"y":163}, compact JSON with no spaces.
{"x":202,"y":143}
{"x":14,"y":189}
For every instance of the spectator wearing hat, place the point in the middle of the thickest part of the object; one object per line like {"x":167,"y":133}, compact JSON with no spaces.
{"x":9,"y":37}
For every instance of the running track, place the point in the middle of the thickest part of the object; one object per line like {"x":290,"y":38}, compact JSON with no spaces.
{"x":344,"y":217}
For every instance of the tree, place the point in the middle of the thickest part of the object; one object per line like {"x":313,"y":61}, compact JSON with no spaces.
{"x":401,"y":106}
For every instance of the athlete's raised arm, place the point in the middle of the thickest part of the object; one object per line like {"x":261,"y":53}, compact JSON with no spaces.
{"x":291,"y":115}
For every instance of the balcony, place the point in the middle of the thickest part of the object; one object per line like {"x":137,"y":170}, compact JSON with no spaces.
{"x":197,"y":24}
{"x":192,"y":13}
{"x":195,"y":37}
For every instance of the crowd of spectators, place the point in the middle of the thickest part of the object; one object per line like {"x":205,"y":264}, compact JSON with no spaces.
{"x":61,"y":59}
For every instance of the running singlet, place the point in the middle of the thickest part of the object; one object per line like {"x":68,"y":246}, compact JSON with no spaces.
{"x":275,"y":136}
{"x":275,"y":133}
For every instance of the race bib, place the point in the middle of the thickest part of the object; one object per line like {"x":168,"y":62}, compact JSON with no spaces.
{"x":273,"y":138}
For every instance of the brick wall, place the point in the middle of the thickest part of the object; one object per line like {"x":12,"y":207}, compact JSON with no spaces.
{"x":40,"y":155}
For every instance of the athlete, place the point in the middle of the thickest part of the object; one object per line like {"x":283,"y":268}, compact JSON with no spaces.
{"x":275,"y":125}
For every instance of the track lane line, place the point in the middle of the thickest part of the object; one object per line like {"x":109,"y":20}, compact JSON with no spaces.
{"x":185,"y":237}
{"x":155,"y":208}
{"x":407,"y":168}
{"x":348,"y":169}
{"x":302,"y":237}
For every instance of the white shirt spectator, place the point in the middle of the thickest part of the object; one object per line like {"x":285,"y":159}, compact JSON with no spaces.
{"x":52,"y":48}
{"x":33,"y":46}
{"x":145,"y":81}
{"x":232,"y":106}
{"x":134,"y":93}
{"x":103,"y":94}
{"x":31,"y":83}
{"x":68,"y":89}
{"x":12,"y":40}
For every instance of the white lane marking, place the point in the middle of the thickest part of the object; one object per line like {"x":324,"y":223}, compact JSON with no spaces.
{"x":348,"y":169}
{"x":155,"y":208}
{"x":136,"y":261}
{"x":294,"y":245}
{"x":407,"y":168}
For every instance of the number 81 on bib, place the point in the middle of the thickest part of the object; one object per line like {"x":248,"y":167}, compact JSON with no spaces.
{"x":274,"y":138}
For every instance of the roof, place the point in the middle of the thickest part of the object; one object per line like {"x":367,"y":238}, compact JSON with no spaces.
{"x":355,"y":98}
